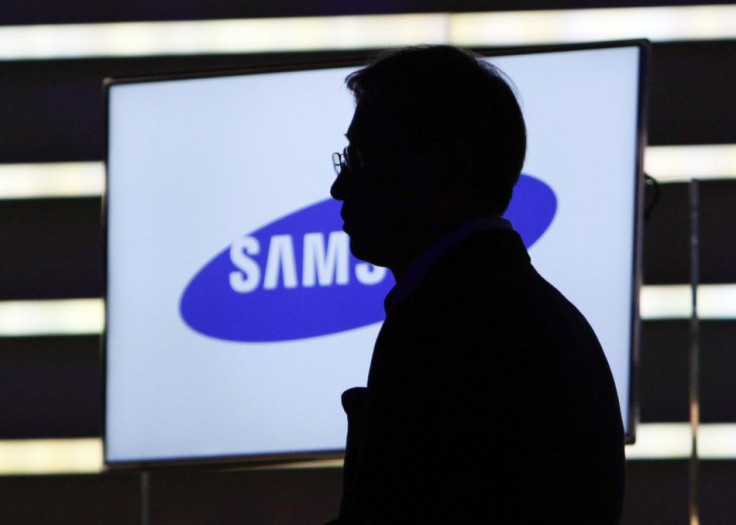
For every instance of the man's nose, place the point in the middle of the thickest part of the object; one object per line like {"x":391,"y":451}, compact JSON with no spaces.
{"x":337,"y":190}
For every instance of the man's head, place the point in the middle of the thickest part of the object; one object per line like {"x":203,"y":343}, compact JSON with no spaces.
{"x":437,"y":139}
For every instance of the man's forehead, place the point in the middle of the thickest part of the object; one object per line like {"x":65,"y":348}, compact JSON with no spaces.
{"x":378,"y":122}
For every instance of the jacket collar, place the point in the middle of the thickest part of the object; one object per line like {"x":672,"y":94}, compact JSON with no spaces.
{"x":423,"y":264}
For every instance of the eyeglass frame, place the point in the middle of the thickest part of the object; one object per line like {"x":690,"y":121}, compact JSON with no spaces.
{"x":344,"y":161}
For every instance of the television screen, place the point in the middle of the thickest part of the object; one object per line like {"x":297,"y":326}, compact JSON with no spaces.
{"x":236,"y":315}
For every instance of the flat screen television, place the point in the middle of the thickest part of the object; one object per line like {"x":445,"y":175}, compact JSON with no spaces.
{"x":236,"y":315}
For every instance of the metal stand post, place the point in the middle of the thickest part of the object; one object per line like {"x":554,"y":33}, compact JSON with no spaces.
{"x":694,"y":358}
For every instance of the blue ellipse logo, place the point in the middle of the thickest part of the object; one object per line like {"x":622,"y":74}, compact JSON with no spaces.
{"x":532,"y":208}
{"x":295,"y":278}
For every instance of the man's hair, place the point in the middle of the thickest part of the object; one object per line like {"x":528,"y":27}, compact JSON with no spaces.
{"x":442,"y":93}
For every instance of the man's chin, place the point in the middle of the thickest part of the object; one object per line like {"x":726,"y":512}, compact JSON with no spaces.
{"x":368,"y":252}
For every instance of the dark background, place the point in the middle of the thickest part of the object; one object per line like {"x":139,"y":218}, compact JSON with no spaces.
{"x":52,"y":111}
{"x":79,"y":11}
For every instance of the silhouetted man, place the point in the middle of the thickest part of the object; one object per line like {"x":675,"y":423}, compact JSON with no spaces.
{"x":489,"y":399}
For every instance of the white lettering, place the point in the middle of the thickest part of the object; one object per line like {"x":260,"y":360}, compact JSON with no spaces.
{"x":369,"y":274}
{"x":322,"y":265}
{"x":249,"y":277}
{"x":280,"y":260}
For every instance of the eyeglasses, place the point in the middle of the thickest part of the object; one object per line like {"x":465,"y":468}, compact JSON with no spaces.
{"x":350,"y":159}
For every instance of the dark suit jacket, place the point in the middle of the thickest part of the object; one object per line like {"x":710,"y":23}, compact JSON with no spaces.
{"x":489,"y":400}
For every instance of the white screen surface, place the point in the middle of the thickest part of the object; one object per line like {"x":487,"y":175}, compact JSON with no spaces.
{"x":196,"y":166}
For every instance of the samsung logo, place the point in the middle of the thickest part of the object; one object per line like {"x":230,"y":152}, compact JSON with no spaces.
{"x":295,"y":278}
{"x":324,"y":262}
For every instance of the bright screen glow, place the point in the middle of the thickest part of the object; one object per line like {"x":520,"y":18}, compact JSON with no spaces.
{"x":236,"y":316}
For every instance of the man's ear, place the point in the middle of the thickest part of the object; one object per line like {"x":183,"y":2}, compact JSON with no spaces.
{"x":450,"y":162}
{"x":459,"y":165}
{"x":462,"y":161}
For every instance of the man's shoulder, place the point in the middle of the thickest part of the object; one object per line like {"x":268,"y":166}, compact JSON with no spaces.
{"x":490,"y":269}
{"x":486,"y":289}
